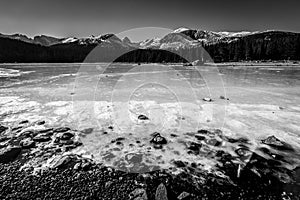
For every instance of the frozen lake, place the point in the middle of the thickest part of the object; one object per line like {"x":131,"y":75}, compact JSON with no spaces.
{"x":105,"y":102}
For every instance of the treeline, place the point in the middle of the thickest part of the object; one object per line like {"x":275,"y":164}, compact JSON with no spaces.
{"x":263,"y":46}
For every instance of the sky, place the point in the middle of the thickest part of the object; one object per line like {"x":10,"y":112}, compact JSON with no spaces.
{"x":82,"y":18}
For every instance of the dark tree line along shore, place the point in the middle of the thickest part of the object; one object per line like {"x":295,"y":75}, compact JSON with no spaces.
{"x":263,"y":46}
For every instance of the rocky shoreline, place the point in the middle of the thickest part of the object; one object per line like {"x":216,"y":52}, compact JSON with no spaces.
{"x":37,"y":162}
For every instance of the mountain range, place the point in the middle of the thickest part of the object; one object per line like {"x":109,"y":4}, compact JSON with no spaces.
{"x":180,"y":45}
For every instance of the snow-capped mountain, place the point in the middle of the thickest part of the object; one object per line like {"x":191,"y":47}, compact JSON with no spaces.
{"x":222,"y":46}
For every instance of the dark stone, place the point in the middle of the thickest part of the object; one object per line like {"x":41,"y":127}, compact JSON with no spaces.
{"x":66,"y":136}
{"x":158,"y":139}
{"x":143,"y":117}
{"x":9,"y":154}
{"x":203,"y":131}
{"x":27,"y":134}
{"x":2,"y":129}
{"x":4,"y":138}
{"x":24,"y":122}
{"x":61,"y":162}
{"x":213,"y":142}
{"x":276,"y":143}
{"x":200,"y":137}
{"x":194,"y":147}
{"x":27,"y":143}
{"x":179,"y":163}
{"x":42,"y":138}
{"x":46,"y":130}
{"x":41,"y":122}
{"x":110,"y":127}
{"x":242,"y":152}
{"x":238,"y":140}
{"x":222,"y":97}
{"x":62,"y":129}
{"x":87,"y":130}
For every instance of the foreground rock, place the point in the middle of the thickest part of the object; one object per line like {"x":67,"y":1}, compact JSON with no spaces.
{"x":9,"y":153}
{"x":158,"y":141}
{"x":138,"y":194}
{"x":143,"y":117}
{"x":2,"y":129}
{"x":276,"y":143}
{"x":27,"y":143}
{"x":161,"y":192}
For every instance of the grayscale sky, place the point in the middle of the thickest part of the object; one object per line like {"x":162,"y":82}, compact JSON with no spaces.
{"x":82,"y":18}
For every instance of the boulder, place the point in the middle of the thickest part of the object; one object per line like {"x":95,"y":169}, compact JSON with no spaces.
{"x":61,"y":161}
{"x":161,"y":192}
{"x":276,"y":143}
{"x":158,"y":140}
{"x":9,"y":154}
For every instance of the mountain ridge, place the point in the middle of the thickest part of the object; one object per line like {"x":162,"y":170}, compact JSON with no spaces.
{"x":221,"y":46}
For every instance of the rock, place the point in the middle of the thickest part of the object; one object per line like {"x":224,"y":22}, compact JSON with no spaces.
{"x":276,"y":143}
{"x":4,"y":138}
{"x":27,"y":134}
{"x":27,"y":143}
{"x":77,"y":166}
{"x":87,"y":130}
{"x":179,"y":163}
{"x":200,"y":137}
{"x":47,"y":130}
{"x":66,"y":136}
{"x":158,"y":139}
{"x":40,"y":122}
{"x":42,"y":138}
{"x":143,"y":117}
{"x":194,"y":147}
{"x":108,"y":184}
{"x":9,"y":154}
{"x":138,"y":194}
{"x":203,"y":131}
{"x":183,"y":195}
{"x":207,"y":99}
{"x":2,"y":129}
{"x":161,"y":192}
{"x":62,"y":129}
{"x":60,"y":161}
{"x":24,"y":122}
{"x":86,"y":166}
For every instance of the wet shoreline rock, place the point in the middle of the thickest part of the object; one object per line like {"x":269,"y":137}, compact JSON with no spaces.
{"x":72,"y":176}
{"x":9,"y":153}
{"x":276,"y":143}
{"x":157,"y":140}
